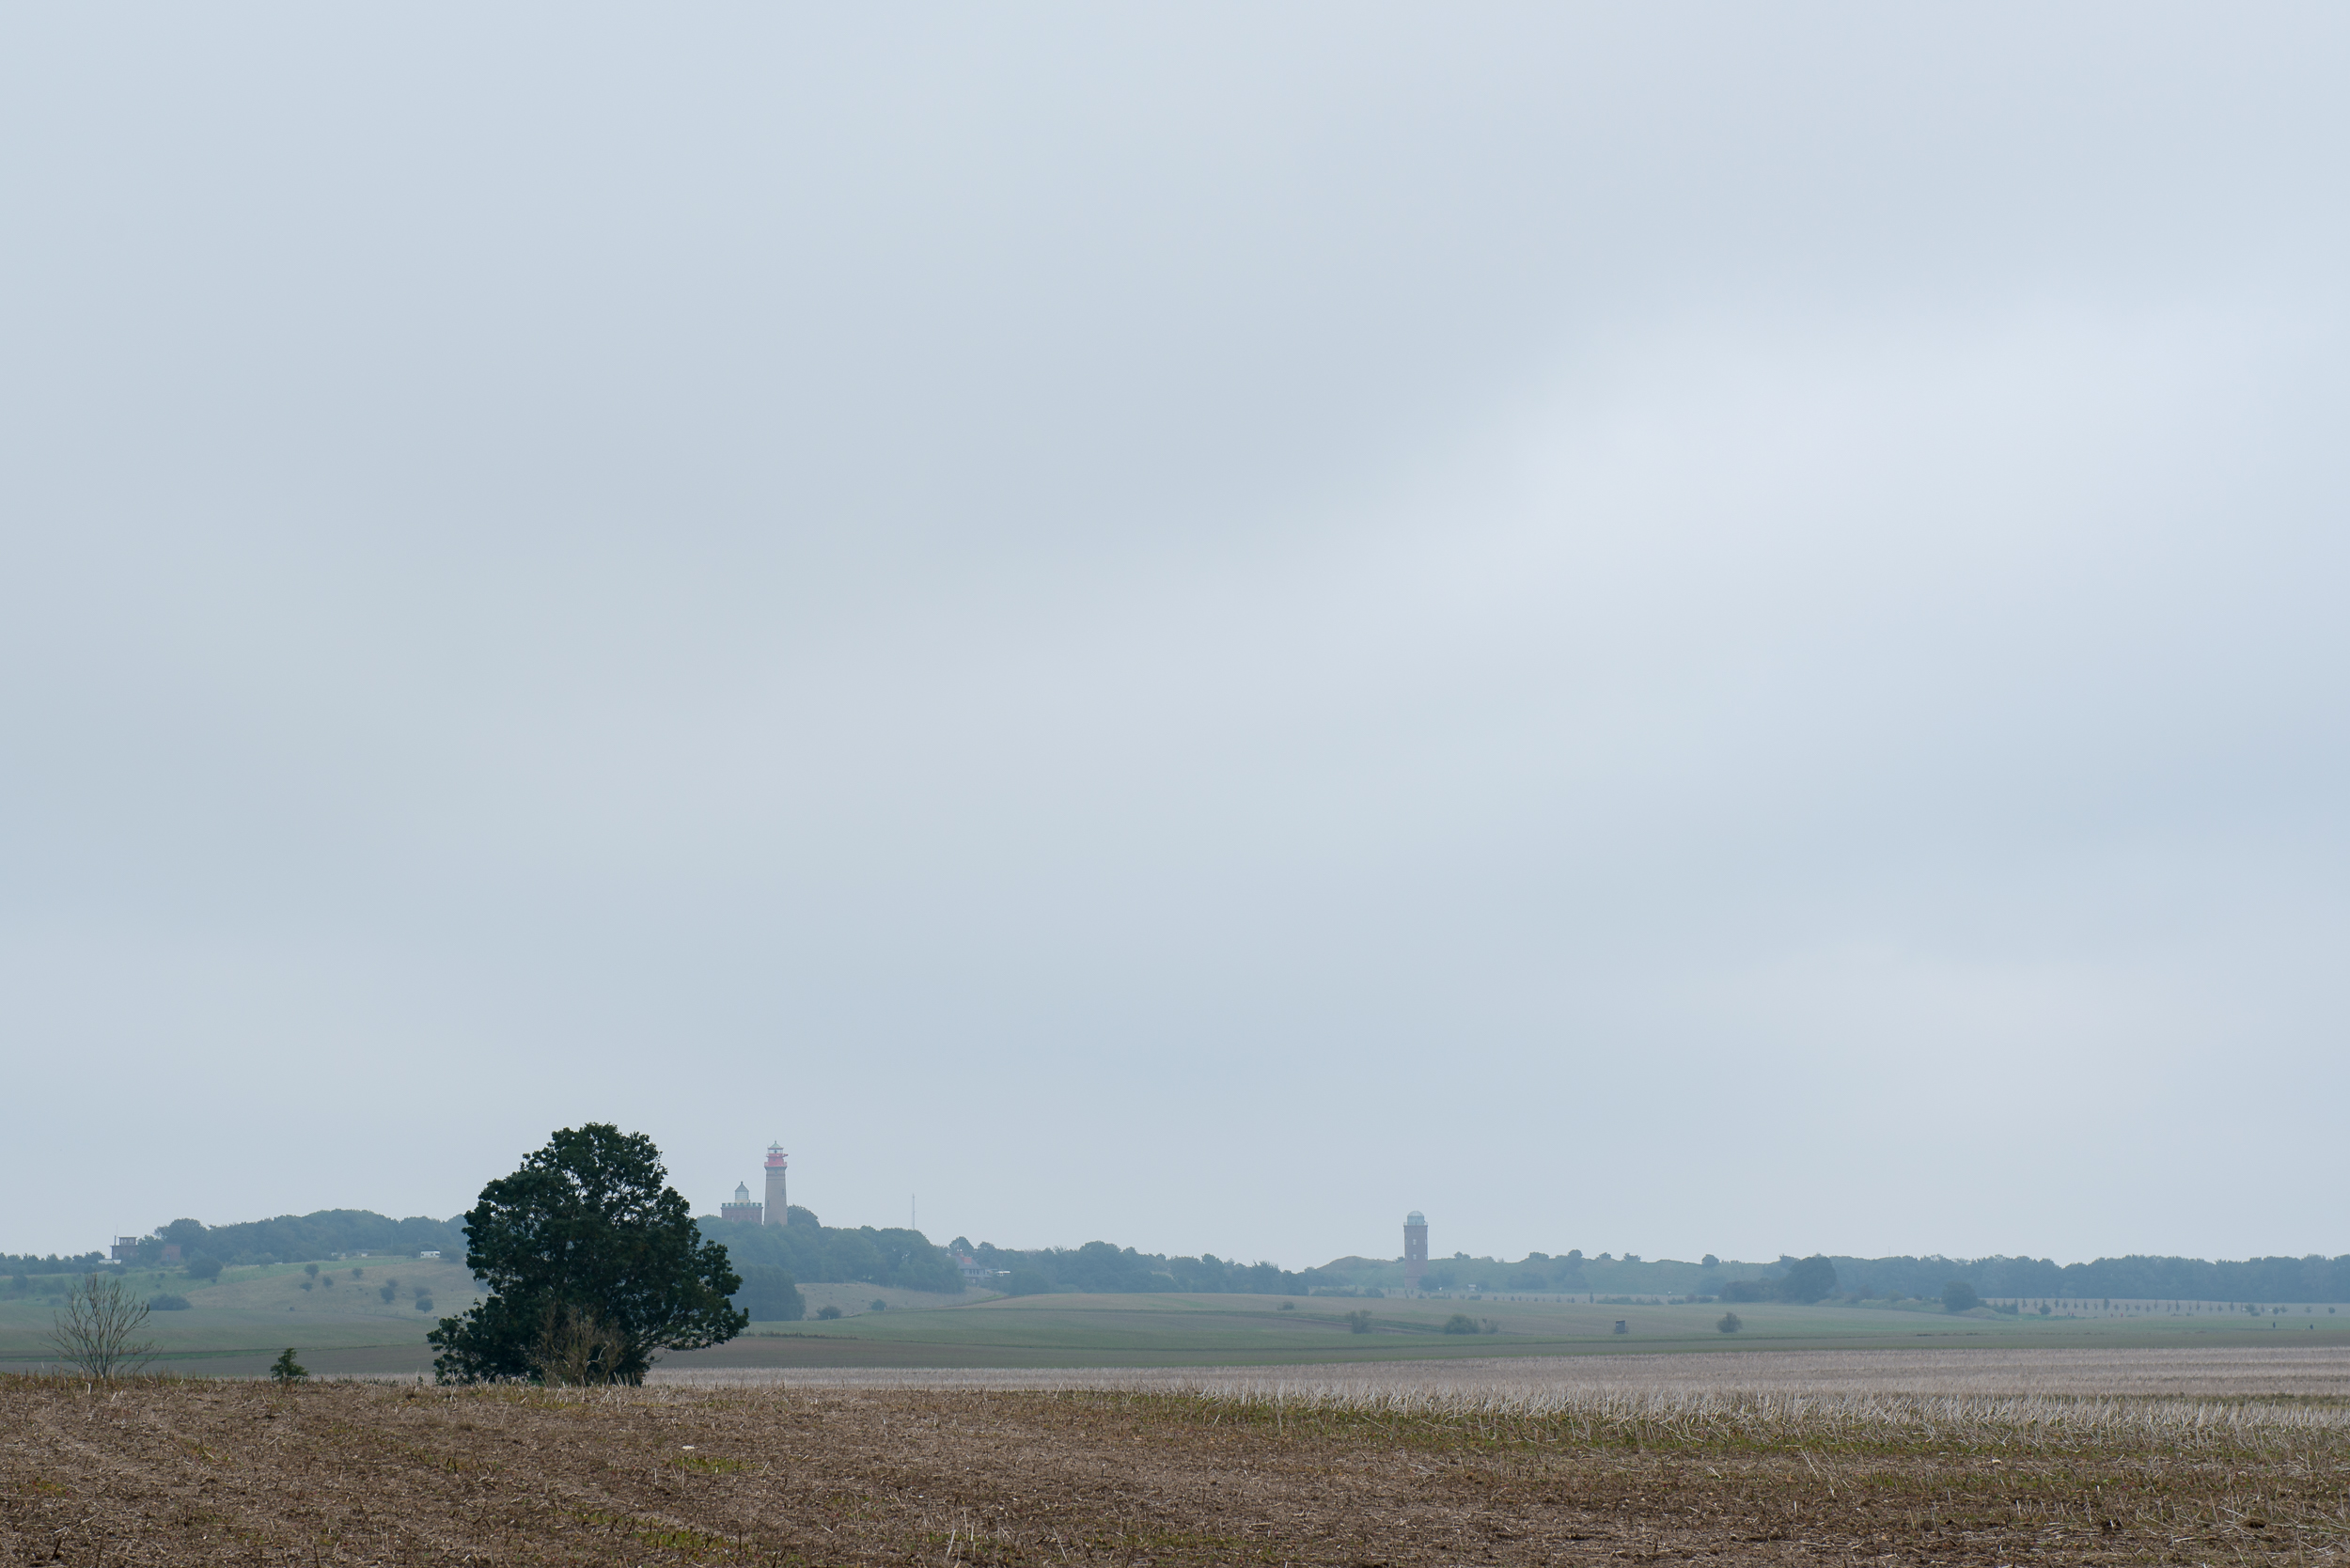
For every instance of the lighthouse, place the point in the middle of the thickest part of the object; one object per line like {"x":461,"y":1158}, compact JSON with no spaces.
{"x":1415,"y":1246}
{"x":777,"y":1211}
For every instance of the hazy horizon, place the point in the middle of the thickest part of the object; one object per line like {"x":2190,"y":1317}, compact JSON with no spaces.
{"x":709,"y":1212}
{"x":1686,"y":631}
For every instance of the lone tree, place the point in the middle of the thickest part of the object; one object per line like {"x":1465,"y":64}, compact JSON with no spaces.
{"x":594,"y":1266}
{"x":93,"y":1335}
{"x":1959,"y":1296}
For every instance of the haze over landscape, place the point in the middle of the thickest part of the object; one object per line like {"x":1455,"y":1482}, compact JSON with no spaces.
{"x":1673,"y":632}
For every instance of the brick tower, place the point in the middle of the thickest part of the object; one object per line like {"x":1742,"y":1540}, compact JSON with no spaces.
{"x":778,"y":1213}
{"x":742,"y":1210}
{"x":1415,"y":1246}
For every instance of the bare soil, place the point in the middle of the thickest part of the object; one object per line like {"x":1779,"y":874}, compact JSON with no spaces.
{"x":199,"y":1472}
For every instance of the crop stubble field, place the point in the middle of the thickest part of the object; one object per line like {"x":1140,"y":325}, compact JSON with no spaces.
{"x":1999,"y":1456}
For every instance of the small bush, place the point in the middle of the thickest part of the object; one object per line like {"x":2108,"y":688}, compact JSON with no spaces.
{"x":878,"y":1304}
{"x":1959,"y":1296}
{"x":1358,"y":1323}
{"x":201,"y":1267}
{"x":310,"y":1269}
{"x":1460,"y":1323}
{"x":286,"y":1370}
{"x":1289,"y":1306}
{"x":167,"y":1303}
{"x":308,"y":1284}
{"x":828,"y":1311}
{"x":424,"y":1302}
{"x":388,"y":1291}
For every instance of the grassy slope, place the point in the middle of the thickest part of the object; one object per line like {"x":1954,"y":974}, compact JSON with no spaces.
{"x":858,"y":1299}
{"x":239,"y":1322}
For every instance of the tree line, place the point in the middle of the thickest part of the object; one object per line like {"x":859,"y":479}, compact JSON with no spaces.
{"x":807,"y":1249}
{"x":2137,"y":1277}
{"x":24,"y":1263}
{"x":287,"y":1239}
{"x":1103,"y":1267}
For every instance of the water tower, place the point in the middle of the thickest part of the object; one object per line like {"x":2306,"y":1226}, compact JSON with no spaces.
{"x":778,"y":1213}
{"x":1414,"y":1248}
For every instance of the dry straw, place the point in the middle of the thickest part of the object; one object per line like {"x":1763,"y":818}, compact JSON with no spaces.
{"x":1962,"y":1399}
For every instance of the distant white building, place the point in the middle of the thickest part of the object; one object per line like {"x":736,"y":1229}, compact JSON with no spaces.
{"x":742,"y":1210}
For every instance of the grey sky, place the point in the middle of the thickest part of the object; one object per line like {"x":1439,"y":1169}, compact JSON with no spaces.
{"x":1669,"y":629}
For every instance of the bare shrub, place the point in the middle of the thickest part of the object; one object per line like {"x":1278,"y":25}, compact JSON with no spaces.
{"x":576,"y":1347}
{"x":93,"y":1332}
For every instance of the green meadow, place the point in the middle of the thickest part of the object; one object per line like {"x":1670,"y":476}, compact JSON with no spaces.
{"x":1230,"y":1330}
{"x":235,"y":1326}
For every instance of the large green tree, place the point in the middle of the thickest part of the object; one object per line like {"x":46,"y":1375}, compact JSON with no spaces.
{"x":593,"y":1265}
{"x":1808,"y":1279}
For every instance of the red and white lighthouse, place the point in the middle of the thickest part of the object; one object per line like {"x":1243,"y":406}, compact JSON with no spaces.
{"x":777,"y":1211}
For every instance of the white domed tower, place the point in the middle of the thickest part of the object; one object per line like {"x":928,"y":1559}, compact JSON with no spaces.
{"x":742,"y":1210}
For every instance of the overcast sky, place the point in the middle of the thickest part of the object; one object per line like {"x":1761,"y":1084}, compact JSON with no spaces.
{"x":1649,"y":628}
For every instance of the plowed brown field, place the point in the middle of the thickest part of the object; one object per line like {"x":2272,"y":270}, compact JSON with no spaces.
{"x":201,"y":1472}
